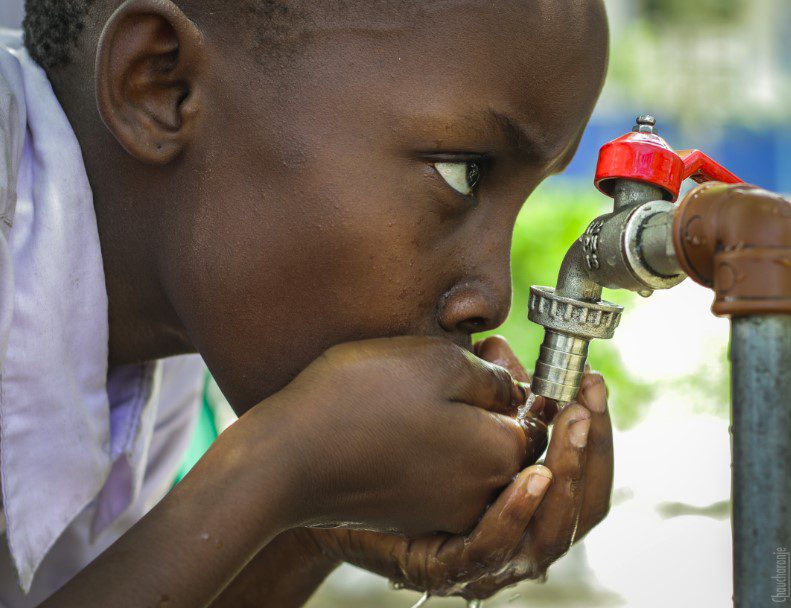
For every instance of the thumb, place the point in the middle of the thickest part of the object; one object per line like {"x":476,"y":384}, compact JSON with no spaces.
{"x":495,"y":349}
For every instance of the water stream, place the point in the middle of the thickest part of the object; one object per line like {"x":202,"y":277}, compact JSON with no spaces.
{"x":524,"y":410}
{"x":426,"y":596}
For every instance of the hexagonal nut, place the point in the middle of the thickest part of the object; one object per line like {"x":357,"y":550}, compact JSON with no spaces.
{"x":576,"y":317}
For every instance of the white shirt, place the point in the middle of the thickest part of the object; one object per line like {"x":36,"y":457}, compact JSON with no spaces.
{"x":84,"y":451}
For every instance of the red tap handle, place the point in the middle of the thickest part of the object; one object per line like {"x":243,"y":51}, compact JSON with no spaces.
{"x":701,"y":168}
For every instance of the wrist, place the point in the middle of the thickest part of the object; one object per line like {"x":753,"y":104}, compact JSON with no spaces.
{"x":261,"y":470}
{"x":284,"y":573}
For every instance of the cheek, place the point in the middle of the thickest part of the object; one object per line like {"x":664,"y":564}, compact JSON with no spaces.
{"x":273,"y":279}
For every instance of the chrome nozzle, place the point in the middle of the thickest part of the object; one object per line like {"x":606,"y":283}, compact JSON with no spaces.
{"x":570,"y":324}
{"x":560,"y":366}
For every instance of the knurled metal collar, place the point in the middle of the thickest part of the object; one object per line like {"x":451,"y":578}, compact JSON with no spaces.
{"x":585,"y":319}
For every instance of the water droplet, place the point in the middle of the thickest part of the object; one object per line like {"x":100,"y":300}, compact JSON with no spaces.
{"x":523,"y":410}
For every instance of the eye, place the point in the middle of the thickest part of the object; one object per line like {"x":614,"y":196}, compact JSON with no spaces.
{"x":462,"y":176}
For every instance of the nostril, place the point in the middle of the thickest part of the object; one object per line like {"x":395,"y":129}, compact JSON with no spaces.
{"x":476,"y":323}
{"x":472,"y":308}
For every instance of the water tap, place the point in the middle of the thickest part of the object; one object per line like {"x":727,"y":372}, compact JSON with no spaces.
{"x":629,"y":248}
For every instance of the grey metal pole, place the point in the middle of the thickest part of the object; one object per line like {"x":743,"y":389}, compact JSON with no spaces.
{"x":761,"y":450}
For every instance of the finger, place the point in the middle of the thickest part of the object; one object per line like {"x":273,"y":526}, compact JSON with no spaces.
{"x":485,"y":385}
{"x":599,"y":454}
{"x":552,"y":530}
{"x":495,"y":349}
{"x":536,"y":433}
{"x":548,"y":409}
{"x":499,"y":533}
{"x":544,"y":409}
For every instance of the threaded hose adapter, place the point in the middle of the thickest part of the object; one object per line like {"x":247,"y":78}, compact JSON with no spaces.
{"x":570,"y":325}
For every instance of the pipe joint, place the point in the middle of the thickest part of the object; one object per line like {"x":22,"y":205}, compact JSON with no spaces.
{"x":736,"y":239}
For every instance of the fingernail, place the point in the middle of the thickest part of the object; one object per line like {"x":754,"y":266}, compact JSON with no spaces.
{"x":596,"y":397}
{"x":537,"y":484}
{"x":520,"y":392}
{"x":578,"y":433}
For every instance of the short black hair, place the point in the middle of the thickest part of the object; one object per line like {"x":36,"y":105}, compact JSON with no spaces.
{"x":52,"y":28}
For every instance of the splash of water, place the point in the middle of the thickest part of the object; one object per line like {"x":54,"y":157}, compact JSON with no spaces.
{"x":423,"y":600}
{"x":524,"y":410}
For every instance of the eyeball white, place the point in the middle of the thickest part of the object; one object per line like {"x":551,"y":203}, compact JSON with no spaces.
{"x":461,"y":176}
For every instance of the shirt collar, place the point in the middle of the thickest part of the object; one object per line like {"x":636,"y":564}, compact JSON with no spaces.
{"x":55,"y":433}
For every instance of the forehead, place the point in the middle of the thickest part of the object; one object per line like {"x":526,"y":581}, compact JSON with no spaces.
{"x":535,"y":64}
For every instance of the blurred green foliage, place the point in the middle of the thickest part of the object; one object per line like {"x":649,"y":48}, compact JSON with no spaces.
{"x":678,"y":11}
{"x":554,"y":217}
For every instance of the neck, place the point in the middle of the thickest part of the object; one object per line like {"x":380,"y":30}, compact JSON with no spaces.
{"x":143,"y":324}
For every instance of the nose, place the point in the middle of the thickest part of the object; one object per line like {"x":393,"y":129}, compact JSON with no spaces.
{"x":474,"y":306}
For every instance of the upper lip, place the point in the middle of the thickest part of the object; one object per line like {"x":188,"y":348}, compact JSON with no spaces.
{"x":463,"y":340}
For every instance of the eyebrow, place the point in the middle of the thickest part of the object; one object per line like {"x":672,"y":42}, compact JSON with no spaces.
{"x":526,"y":140}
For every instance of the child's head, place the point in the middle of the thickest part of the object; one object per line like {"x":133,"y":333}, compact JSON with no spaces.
{"x":270,"y":180}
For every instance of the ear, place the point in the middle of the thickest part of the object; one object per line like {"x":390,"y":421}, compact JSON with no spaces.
{"x":149,"y":62}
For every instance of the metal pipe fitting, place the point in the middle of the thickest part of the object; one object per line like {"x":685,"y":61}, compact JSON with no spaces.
{"x":630,"y":248}
{"x":570,"y":324}
{"x":736,"y":239}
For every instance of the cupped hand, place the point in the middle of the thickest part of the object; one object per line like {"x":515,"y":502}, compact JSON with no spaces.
{"x":404,"y":435}
{"x":532,"y":523}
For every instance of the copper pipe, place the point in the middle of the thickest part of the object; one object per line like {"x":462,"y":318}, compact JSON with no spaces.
{"x":736,"y":239}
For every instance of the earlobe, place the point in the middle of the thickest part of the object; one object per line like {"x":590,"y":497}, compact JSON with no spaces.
{"x":149,"y":63}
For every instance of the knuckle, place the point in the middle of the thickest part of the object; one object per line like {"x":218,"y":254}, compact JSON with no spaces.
{"x":445,"y":357}
{"x":504,"y":385}
{"x":338,"y":356}
{"x":574,"y":412}
{"x":487,"y":557}
{"x":505,"y":467}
